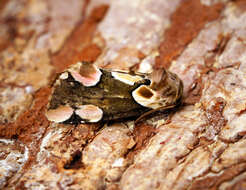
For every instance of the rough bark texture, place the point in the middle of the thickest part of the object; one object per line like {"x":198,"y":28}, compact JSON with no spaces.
{"x":201,"y":145}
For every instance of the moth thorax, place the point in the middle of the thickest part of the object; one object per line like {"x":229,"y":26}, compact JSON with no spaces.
{"x":158,"y":75}
{"x":158,"y":79}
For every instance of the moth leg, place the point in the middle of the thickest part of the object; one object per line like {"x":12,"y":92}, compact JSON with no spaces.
{"x":140,"y":118}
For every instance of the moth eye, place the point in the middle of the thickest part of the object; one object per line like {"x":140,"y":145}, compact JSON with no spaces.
{"x":145,"y":92}
{"x":89,"y":113}
{"x":60,"y":114}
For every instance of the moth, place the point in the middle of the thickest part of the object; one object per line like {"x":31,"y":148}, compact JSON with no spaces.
{"x":85,"y":93}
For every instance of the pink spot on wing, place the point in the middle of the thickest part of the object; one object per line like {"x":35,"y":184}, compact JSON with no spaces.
{"x":59,"y":114}
{"x":90,"y":112}
{"x":90,"y":78}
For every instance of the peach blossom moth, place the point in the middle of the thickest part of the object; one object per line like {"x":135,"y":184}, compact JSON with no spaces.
{"x":85,"y":93}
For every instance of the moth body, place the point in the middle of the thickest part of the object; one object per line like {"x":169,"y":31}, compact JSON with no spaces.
{"x":86,"y":94}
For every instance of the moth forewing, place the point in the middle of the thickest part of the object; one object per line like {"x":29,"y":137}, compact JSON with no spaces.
{"x":86,"y":94}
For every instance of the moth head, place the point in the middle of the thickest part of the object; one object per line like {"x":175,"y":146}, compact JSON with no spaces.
{"x":86,"y":73}
{"x":167,"y":84}
{"x":165,"y":90}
